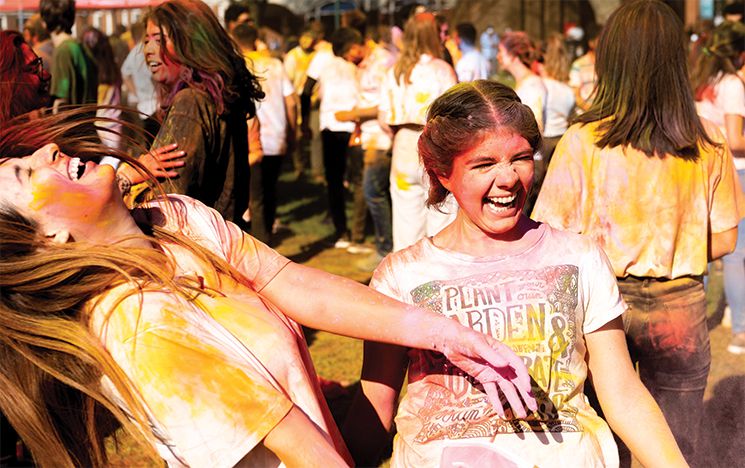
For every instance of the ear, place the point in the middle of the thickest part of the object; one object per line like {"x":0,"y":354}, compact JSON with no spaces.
{"x":59,"y":237}
{"x":445,"y":181}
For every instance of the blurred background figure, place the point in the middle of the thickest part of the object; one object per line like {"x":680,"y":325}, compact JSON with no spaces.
{"x":471,"y":65}
{"x":277,"y":115}
{"x":582,"y":76}
{"x":720,"y":98}
{"x":109,"y":88}
{"x":296,"y":64}
{"x":74,"y":72}
{"x":516,"y":55}
{"x":24,"y":83}
{"x":488,"y":41}
{"x":138,"y":84}
{"x":418,"y":77}
{"x":36,"y":35}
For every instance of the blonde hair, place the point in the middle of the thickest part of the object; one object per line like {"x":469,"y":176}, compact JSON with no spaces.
{"x":420,"y":37}
{"x":51,"y":365}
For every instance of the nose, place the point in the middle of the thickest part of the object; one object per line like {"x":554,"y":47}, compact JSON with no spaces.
{"x":506,"y":175}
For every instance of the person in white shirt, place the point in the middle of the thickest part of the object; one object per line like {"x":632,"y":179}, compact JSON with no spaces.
{"x":375,"y":142}
{"x":472,"y":65}
{"x":277,"y":114}
{"x":137,"y":81}
{"x":336,"y":76}
{"x":418,"y":77}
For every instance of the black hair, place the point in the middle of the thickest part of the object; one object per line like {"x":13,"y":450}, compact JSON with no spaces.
{"x":343,"y":39}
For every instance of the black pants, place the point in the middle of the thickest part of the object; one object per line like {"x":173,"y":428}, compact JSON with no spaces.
{"x":335,"y":146}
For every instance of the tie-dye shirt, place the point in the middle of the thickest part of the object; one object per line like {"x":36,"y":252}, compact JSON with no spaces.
{"x":219,"y":372}
{"x":539,"y":296}
{"x":404,"y":103}
{"x":650,"y":215}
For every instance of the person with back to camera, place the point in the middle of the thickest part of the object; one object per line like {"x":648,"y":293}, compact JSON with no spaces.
{"x":169,"y":320}
{"x":549,"y":295}
{"x":655,"y":186}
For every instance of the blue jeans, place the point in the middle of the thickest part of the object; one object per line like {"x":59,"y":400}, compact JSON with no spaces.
{"x":667,"y":336}
{"x":734,"y":274}
{"x":375,"y":184}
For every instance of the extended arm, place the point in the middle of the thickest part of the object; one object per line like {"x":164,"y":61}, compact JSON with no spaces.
{"x":722,"y":243}
{"x":619,"y":390}
{"x":339,"y":305}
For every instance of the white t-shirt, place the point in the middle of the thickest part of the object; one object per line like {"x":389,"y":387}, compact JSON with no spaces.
{"x":559,"y":106}
{"x":407,"y":103}
{"x":539,"y":298}
{"x":472,"y":66}
{"x":271,"y":110}
{"x":338,"y":88}
{"x":135,"y":67}
{"x":372,"y":73}
{"x":727,"y":96}
{"x":532,"y":93}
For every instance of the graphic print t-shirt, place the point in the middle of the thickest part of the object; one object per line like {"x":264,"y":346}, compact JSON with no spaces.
{"x":540,"y":301}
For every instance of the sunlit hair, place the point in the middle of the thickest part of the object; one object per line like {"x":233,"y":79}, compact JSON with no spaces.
{"x":643,"y":95}
{"x":35,"y":26}
{"x":420,"y":37}
{"x":556,"y":58}
{"x":18,"y":94}
{"x":99,"y":45}
{"x":210,"y":59}
{"x":51,"y":365}
{"x":519,"y":44}
{"x":461,"y":118}
{"x":721,"y":55}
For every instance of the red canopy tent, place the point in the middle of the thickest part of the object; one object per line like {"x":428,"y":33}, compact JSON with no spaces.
{"x":33,"y":5}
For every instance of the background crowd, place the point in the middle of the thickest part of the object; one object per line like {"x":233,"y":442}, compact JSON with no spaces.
{"x":216,"y":110}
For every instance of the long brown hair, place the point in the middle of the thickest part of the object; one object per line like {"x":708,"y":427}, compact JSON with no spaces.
{"x":210,"y":57}
{"x":643,"y":95}
{"x":51,"y":365}
{"x":420,"y":37}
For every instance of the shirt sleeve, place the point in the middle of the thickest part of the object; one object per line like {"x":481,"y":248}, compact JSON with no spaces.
{"x":287,"y":87}
{"x":732,"y":95}
{"x":602,"y":300}
{"x":559,"y":202}
{"x":727,"y":199}
{"x":210,"y":400}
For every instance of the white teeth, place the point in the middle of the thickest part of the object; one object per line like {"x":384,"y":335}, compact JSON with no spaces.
{"x":502,"y":200}
{"x":72,"y":168}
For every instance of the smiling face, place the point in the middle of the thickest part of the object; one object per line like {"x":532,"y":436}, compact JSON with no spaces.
{"x":61,"y":193}
{"x":491,"y":182}
{"x":164,"y":69}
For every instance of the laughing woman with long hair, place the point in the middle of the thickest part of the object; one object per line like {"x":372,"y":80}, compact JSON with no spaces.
{"x":205,"y":94}
{"x":171,"y":321}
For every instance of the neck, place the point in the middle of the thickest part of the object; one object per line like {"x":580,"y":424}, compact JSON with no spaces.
{"x":465,"y":237}
{"x":520,"y":72}
{"x":119,"y":225}
{"x":58,"y":37}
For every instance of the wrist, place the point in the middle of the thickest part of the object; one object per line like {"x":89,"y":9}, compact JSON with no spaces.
{"x":125,"y":185}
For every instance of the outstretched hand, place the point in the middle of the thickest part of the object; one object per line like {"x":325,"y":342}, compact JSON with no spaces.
{"x":494,"y":365}
{"x":161,"y":162}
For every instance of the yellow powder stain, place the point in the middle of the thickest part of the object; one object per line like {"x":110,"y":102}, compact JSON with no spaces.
{"x":401,"y":182}
{"x":422,"y":97}
{"x":43,"y":197}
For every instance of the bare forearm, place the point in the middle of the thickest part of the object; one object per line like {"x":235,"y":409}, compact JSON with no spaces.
{"x":722,"y":243}
{"x":345,"y":307}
